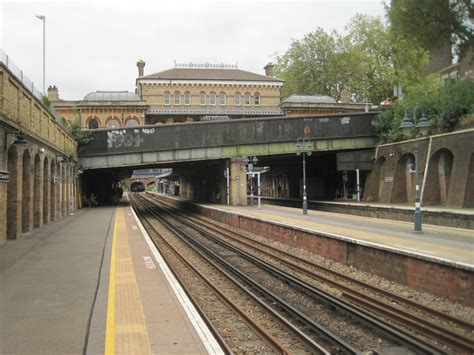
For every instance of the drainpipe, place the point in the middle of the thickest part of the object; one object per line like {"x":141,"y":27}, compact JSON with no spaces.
{"x":425,"y":173}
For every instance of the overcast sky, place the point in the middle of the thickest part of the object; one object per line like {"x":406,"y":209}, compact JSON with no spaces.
{"x":95,"y":45}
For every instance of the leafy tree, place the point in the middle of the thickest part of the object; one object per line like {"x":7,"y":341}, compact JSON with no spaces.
{"x":434,"y":23}
{"x":82,"y":137}
{"x":367,"y":62}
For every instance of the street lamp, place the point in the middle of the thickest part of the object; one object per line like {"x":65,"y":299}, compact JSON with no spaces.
{"x":43,"y":18}
{"x":407,"y":126}
{"x":303,"y":145}
{"x":250,"y":162}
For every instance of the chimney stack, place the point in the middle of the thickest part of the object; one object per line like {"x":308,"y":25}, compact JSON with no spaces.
{"x":53,"y":93}
{"x":269,"y":69}
{"x":141,"y":67}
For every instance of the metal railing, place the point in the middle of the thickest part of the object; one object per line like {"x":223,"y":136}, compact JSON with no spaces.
{"x":18,"y":73}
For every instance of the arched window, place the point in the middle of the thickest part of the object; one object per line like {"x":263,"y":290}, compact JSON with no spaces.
{"x":177,"y":97}
{"x":247,"y":99}
{"x":212,"y":98}
{"x":222,"y":98}
{"x":237,"y":99}
{"x":93,"y":123}
{"x":113,"y":122}
{"x":256,"y":99}
{"x":132,"y":122}
{"x":166,"y":98}
{"x":187,"y":98}
{"x":202,"y":98}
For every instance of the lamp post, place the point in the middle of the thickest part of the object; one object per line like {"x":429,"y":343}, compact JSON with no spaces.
{"x":43,"y":18}
{"x":250,"y":162}
{"x":407,"y":126}
{"x":303,"y":145}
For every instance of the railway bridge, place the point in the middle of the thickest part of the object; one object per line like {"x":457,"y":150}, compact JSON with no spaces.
{"x":200,"y":152}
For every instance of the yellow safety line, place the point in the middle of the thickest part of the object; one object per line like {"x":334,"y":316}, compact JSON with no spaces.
{"x":110,"y":322}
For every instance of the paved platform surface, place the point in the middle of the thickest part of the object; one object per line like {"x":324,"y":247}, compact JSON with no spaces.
{"x":90,"y":283}
{"x":452,"y":245}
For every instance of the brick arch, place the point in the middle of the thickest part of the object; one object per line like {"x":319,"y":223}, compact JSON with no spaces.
{"x":46,"y":187}
{"x":404,"y":179}
{"x":131,"y":118}
{"x":26,"y":198}
{"x":376,"y":181}
{"x":90,"y":118}
{"x":439,"y":177}
{"x":37,"y":191}
{"x":110,"y":118}
{"x":13,"y":202}
{"x":52,"y":190}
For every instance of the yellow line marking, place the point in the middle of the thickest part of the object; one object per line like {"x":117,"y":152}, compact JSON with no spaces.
{"x":110,"y":322}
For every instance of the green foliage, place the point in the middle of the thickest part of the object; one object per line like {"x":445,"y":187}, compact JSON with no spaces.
{"x":433,"y":23}
{"x":82,"y":137}
{"x":443,"y":104}
{"x":367,"y":62}
{"x":47,"y":102}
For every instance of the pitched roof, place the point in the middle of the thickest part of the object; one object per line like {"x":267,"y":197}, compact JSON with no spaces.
{"x":112,"y":96}
{"x":208,"y":74}
{"x":310,"y":99}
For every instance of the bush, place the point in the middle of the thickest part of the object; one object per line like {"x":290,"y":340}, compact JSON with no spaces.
{"x":443,"y":105}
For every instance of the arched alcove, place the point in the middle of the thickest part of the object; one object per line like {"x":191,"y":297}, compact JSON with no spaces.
{"x":439,"y":177}
{"x":26,"y":192}
{"x":46,"y":187}
{"x":12,"y":194}
{"x":52,"y":191}
{"x":37,"y":191}
{"x":404,"y":180}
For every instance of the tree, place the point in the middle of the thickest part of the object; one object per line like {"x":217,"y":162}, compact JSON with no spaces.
{"x":434,"y":23}
{"x":367,"y":62}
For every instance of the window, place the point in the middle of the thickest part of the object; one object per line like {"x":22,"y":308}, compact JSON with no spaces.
{"x":212,"y":98}
{"x":247,"y":99}
{"x":113,"y":123}
{"x":166,"y":98}
{"x":93,"y":124}
{"x":177,"y":98}
{"x":256,"y":99}
{"x":237,"y":99}
{"x":187,"y":98}
{"x":132,"y":122}
{"x":222,"y":98}
{"x":202,"y":98}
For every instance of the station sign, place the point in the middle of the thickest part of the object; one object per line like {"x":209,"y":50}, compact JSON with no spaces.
{"x":4,"y":176}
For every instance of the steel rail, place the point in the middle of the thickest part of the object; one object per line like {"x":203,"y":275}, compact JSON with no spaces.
{"x":342,"y":305}
{"x":288,"y":308}
{"x":259,"y":330}
{"x":408,"y":319}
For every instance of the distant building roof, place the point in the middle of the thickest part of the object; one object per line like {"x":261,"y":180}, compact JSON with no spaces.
{"x":208,"y":74}
{"x":111,"y":96}
{"x":310,"y":99}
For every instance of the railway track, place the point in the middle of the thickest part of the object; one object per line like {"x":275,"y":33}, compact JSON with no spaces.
{"x":231,"y":312}
{"x":347,"y":310}
{"x":451,"y":332}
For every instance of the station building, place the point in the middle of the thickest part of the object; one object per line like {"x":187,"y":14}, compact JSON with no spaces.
{"x":202,"y":92}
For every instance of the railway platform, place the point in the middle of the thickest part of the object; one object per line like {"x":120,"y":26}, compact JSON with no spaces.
{"x":439,"y":261}
{"x":93,"y":283}
{"x":451,"y":245}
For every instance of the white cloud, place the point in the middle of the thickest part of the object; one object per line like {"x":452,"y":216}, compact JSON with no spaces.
{"x":95,"y":45}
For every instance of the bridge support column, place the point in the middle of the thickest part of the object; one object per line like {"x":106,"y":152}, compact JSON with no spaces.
{"x":238,"y":183}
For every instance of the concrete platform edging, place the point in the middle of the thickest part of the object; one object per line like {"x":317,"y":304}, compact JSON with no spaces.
{"x":437,"y":276}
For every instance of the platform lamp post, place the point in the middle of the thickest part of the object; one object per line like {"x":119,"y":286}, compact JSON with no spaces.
{"x":250,"y":162}
{"x":43,"y":18}
{"x":407,"y":127}
{"x":303,"y":145}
